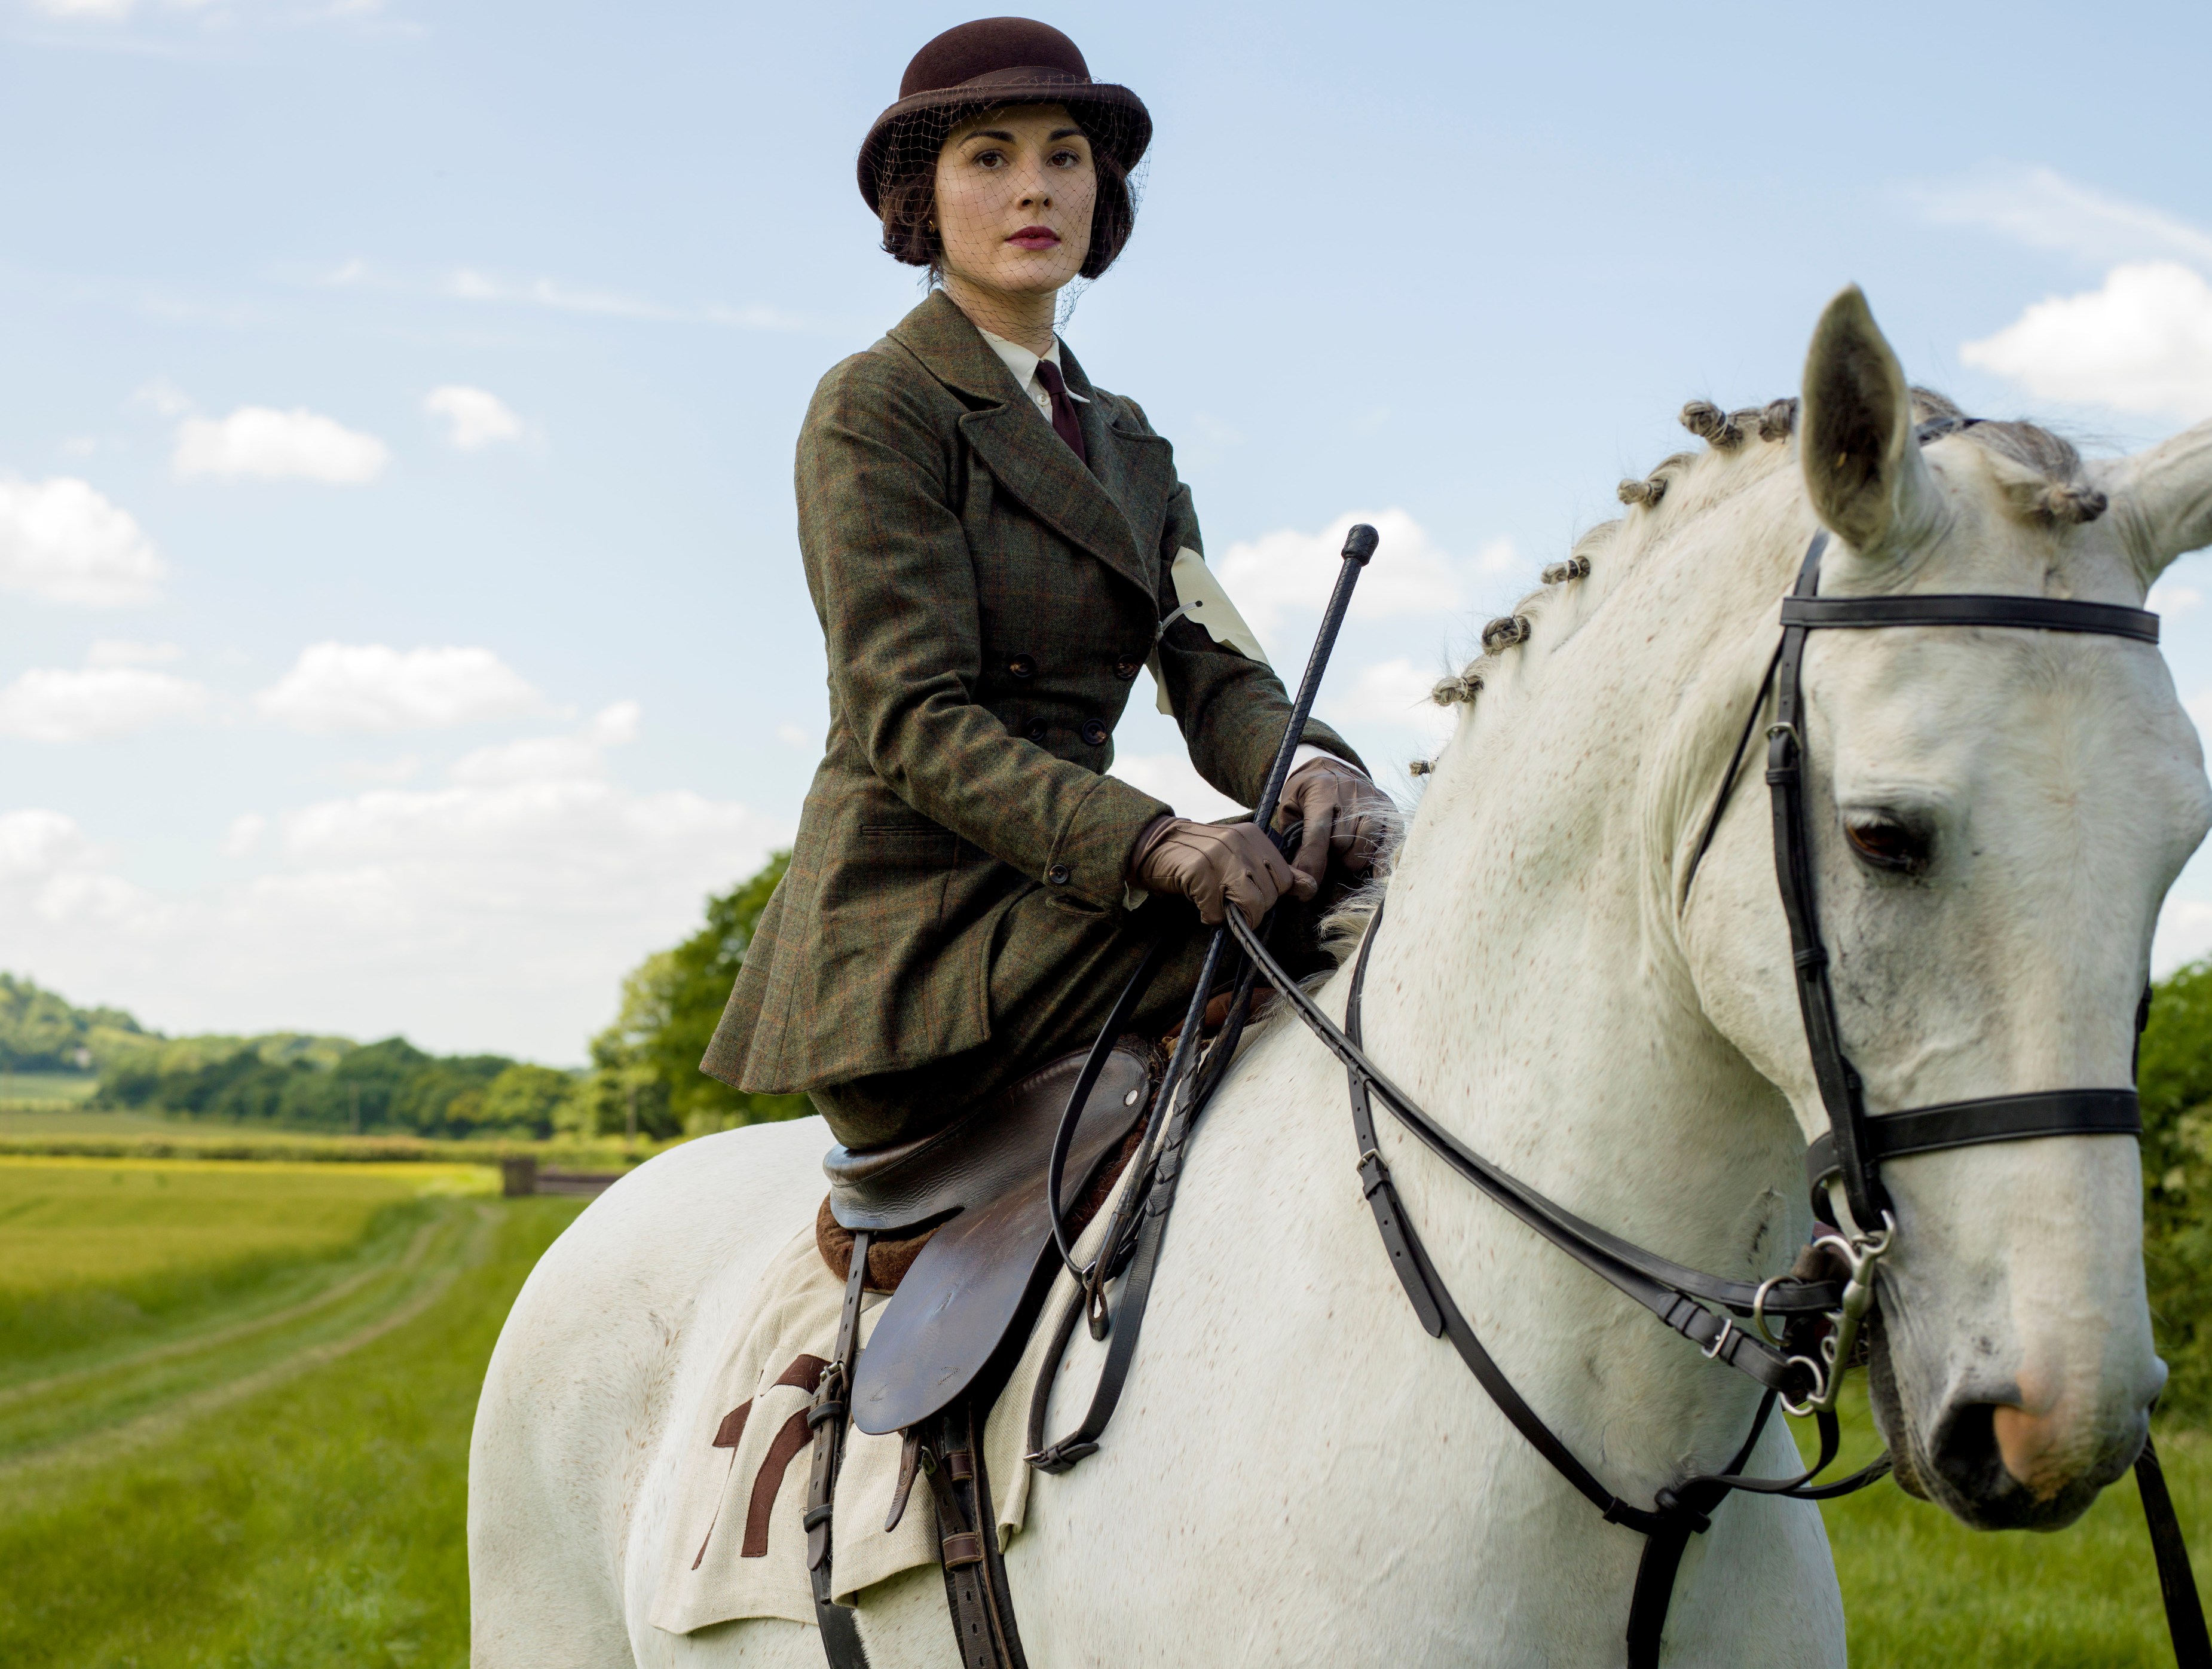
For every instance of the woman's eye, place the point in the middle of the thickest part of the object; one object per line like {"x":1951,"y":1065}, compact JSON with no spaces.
{"x":990,"y":159}
{"x":1888,"y":844}
{"x":1065,"y":159}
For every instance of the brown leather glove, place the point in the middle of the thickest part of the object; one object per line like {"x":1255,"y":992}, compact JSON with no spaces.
{"x":1346,"y":817}
{"x":1208,"y":863}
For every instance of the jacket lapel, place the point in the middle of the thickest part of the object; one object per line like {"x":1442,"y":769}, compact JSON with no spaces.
{"x":1027,"y":458}
{"x":1136,"y":468}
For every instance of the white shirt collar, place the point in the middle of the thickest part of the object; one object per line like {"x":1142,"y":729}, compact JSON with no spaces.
{"x":1023,"y":364}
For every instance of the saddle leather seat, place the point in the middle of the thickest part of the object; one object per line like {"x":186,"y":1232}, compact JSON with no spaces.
{"x":974,"y":1289}
{"x":983,"y":1153}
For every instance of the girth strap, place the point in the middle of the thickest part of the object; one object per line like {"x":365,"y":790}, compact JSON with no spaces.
{"x":976,"y":1595}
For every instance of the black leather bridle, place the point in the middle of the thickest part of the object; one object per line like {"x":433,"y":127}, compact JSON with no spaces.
{"x":1803,"y":1366}
{"x":1855,"y":1143}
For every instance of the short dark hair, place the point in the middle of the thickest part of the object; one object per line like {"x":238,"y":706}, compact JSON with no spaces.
{"x":908,"y":193}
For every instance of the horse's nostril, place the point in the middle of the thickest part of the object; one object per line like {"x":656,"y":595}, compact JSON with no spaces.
{"x":1967,"y":1455}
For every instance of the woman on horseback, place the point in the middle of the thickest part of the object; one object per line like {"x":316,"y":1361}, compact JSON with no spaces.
{"x":994,"y":546}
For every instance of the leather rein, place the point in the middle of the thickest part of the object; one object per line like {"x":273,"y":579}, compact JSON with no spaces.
{"x":1803,"y":1364}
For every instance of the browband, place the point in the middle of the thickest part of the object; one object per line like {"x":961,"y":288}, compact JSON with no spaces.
{"x":2042,"y":614}
{"x":1991,"y":1118}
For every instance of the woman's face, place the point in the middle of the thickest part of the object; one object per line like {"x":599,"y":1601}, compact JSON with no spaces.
{"x":1015,"y":190}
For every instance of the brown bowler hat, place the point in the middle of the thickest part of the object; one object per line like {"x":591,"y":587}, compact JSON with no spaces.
{"x":1003,"y":61}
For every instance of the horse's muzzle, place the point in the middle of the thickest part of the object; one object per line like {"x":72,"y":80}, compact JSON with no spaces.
{"x":1994,"y":1464}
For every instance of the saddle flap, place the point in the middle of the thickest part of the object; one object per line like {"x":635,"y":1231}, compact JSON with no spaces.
{"x":978,"y":1282}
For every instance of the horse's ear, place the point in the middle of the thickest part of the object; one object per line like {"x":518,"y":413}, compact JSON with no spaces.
{"x":1855,"y":438}
{"x":2162,"y":499}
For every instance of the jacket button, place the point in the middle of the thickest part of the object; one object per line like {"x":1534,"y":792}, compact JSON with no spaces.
{"x":1036,"y":732}
{"x":1022,"y":666}
{"x":1126,"y":668}
{"x":1095,"y":732}
{"x":1058,"y":875}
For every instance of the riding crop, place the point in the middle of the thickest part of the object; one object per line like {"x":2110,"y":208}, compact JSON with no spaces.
{"x":1162,"y":1154}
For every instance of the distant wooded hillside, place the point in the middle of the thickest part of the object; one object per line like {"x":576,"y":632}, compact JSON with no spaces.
{"x":40,"y":1032}
{"x":644,"y":1075}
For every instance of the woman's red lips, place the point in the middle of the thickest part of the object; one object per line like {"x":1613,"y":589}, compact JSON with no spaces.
{"x":1035,"y":237}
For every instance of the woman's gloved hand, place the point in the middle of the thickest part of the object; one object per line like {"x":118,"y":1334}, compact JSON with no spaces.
{"x":1345,"y":815}
{"x":1208,"y":863}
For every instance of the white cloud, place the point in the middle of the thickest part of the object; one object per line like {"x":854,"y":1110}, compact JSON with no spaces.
{"x":101,"y":8}
{"x":37,"y":843}
{"x":475,"y":915}
{"x":47,"y":704}
{"x":473,"y":417}
{"x":793,"y":736}
{"x":61,"y":541}
{"x":1393,"y":692}
{"x":2143,"y":342}
{"x":245,"y":834}
{"x":2168,"y":598}
{"x":371,"y":687}
{"x":1171,"y":777}
{"x":1287,"y":571}
{"x":260,"y":441}
{"x":2185,"y":934}
{"x":580,"y":757}
{"x":161,"y":397}
{"x":2042,"y":209}
{"x":405,"y":768}
{"x":121,"y":652}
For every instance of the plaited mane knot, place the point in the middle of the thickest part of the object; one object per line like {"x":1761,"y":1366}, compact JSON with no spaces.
{"x":1504,"y":632}
{"x":1716,"y":428}
{"x":1574,"y":567}
{"x":1776,"y":421}
{"x":2072,"y":501}
{"x":1465,"y":688}
{"x":1649,"y":491}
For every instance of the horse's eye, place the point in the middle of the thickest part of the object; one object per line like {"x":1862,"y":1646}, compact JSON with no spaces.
{"x":1888,"y":843}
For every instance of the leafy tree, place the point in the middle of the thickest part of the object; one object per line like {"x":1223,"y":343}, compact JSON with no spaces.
{"x":649,"y":1058}
{"x":525,"y":1099}
{"x":2175,"y":1077}
{"x":41,"y":1032}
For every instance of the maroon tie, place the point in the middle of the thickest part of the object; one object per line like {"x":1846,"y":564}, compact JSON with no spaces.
{"x":1063,"y":408}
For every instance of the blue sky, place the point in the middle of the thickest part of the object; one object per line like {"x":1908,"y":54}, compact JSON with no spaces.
{"x":401,"y":625}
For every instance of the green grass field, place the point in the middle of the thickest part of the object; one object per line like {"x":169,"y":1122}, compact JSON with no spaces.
{"x":66,"y":1116}
{"x":64,"y":1087}
{"x":263,"y":1461}
{"x":235,"y":1412}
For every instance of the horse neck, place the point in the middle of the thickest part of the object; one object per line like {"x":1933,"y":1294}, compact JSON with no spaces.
{"x":1530,"y":981}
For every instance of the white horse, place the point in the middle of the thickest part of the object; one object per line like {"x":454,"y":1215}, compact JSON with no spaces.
{"x":1298,"y":1473}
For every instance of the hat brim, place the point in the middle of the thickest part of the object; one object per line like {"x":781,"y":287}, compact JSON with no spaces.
{"x":1122,"y":125}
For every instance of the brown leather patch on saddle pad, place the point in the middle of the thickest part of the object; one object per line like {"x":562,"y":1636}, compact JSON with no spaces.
{"x":889,"y":1260}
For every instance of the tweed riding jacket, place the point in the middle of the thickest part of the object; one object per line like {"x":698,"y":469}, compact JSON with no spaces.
{"x":986,"y":600}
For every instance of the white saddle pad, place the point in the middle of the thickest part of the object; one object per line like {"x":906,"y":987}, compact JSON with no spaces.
{"x":739,"y":1550}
